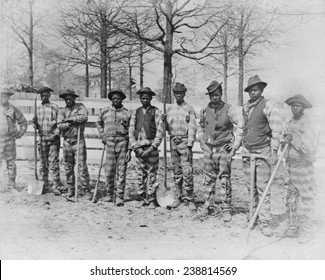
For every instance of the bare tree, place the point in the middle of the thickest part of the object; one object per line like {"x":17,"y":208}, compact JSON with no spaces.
{"x":24,"y":29}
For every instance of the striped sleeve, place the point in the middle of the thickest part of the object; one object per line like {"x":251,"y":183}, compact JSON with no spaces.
{"x":160,"y":129}
{"x":236,"y":117}
{"x":100,"y":123}
{"x":192,"y":128}
{"x":272,"y":114}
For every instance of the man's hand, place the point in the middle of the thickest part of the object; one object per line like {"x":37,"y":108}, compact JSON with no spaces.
{"x":288,"y":138}
{"x":231,"y":155}
{"x":64,"y":126}
{"x":69,"y":119}
{"x":50,"y":138}
{"x":17,"y":135}
{"x":35,"y":122}
{"x":148,"y":151}
{"x":163,"y":117}
{"x":128,"y":156}
{"x":274,"y":157}
{"x":104,"y":140}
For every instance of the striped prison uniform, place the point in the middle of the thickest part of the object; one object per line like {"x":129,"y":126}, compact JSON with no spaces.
{"x":113,"y":124}
{"x":261,"y":135}
{"x":217,"y":130}
{"x":8,"y":134}
{"x":147,"y":167}
{"x":181,"y":126}
{"x":47,"y":115}
{"x":69,"y":132}
{"x":301,"y":188}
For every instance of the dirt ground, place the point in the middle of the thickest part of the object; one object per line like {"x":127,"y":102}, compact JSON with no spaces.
{"x":50,"y":227}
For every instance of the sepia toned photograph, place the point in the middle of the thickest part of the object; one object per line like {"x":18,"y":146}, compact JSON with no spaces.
{"x":162,"y":130}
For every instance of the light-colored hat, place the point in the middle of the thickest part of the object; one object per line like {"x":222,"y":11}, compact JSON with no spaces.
{"x":298,"y":98}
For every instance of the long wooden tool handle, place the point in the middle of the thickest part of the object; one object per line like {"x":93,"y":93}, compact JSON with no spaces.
{"x":252,"y":188}
{"x":251,"y":223}
{"x":77,"y":164}
{"x":100,"y":169}
{"x":35,"y":140}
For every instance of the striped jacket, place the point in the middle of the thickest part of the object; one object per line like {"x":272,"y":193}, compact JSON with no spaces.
{"x":181,"y":122}
{"x":113,"y":122}
{"x":47,"y":115}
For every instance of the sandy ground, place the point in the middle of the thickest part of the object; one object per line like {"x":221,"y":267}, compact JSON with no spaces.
{"x":50,"y":227}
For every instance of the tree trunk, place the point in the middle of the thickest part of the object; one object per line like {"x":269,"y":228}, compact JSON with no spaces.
{"x":141,"y":64}
{"x":31,"y":44}
{"x":225,"y":74}
{"x":87,"y":66}
{"x":130,"y":79}
{"x":103,"y":58}
{"x":241,"y":61}
{"x":109,"y":73}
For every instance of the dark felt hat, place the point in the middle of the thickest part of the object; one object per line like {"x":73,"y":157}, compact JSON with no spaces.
{"x":116,"y":91}
{"x":44,"y":89}
{"x":68,"y":92}
{"x":213,"y":86}
{"x":253,"y":81}
{"x":6,"y":91}
{"x":298,"y":98}
{"x":146,"y":90}
{"x":179,"y":88}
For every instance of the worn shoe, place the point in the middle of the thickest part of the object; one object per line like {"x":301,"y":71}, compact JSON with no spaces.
{"x":151,"y":205}
{"x":108,"y":199}
{"x":305,"y":237}
{"x":55,"y":191}
{"x":266,"y":229}
{"x":203,"y":212}
{"x":70,"y":192}
{"x":292,"y":232}
{"x":174,"y":205}
{"x":226,"y":216}
{"x":119,"y":202}
{"x":190,"y":204}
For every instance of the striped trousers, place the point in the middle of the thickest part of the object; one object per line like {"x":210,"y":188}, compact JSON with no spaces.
{"x":147,"y":174}
{"x":183,"y":169}
{"x":301,"y":190}
{"x":216,"y":166}
{"x":262,"y":176}
{"x":49,"y":156}
{"x":69,"y":155}
{"x":8,"y":153}
{"x":115,"y":166}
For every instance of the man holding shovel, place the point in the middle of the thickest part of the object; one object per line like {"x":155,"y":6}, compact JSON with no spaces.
{"x":261,"y":135}
{"x":113,"y":126}
{"x":71,"y":122}
{"x":9,"y":116}
{"x":181,"y":126}
{"x":219,"y":145}
{"x":146,"y":134}
{"x":49,"y":141}
{"x":300,"y":134}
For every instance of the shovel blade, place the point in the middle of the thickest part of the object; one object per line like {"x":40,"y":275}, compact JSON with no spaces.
{"x":35,"y":187}
{"x":164,"y":196}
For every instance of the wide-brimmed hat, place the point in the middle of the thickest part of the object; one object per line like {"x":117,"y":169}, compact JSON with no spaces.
{"x":68,"y":92}
{"x":179,"y":88}
{"x":255,"y":80}
{"x":298,"y":98}
{"x":116,"y":91}
{"x":213,"y":86}
{"x":6,"y":91}
{"x":44,"y":89}
{"x":146,"y":90}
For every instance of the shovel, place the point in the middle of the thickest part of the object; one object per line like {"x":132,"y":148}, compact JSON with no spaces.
{"x":35,"y":187}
